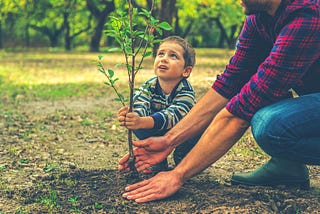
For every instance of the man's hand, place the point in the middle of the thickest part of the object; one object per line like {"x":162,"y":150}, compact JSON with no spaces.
{"x":149,"y":152}
{"x":162,"y":185}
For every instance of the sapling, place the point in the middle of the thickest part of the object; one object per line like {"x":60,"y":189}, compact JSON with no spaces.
{"x":134,"y":32}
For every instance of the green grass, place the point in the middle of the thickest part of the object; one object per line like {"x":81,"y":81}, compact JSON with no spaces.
{"x":45,"y":75}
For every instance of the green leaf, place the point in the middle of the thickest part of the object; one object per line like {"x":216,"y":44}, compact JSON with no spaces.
{"x":135,"y":10}
{"x":145,"y":12}
{"x":153,"y":21}
{"x":157,"y":41}
{"x":100,"y":57}
{"x":102,"y":70}
{"x":165,"y":26}
{"x":114,"y":49}
{"x":114,"y":81}
{"x":149,"y":53}
{"x":128,"y":49}
{"x":119,"y":65}
{"x":111,"y":73}
{"x":160,"y":31}
{"x":129,"y":68}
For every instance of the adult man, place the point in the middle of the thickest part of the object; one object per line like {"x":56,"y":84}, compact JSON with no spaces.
{"x":278,"y":50}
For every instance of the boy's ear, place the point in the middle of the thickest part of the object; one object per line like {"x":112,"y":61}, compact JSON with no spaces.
{"x":187,"y":71}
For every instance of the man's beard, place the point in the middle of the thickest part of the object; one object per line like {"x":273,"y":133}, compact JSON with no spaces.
{"x":253,"y":7}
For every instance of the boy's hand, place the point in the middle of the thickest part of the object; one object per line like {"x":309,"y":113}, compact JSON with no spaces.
{"x":131,"y":120}
{"x":122,"y":112}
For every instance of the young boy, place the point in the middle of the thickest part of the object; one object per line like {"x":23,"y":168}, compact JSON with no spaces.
{"x":168,"y":99}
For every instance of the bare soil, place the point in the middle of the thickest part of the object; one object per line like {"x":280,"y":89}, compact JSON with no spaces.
{"x":61,"y":157}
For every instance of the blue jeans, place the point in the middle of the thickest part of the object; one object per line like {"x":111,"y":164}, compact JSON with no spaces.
{"x":290,"y":129}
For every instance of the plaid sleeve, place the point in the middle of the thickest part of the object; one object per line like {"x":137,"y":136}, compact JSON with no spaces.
{"x":296,"y":48}
{"x":244,"y":63}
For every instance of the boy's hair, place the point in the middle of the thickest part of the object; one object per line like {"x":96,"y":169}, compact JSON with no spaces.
{"x":189,"y":53}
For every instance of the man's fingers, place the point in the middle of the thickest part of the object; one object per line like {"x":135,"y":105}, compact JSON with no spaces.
{"x":141,"y":166}
{"x":123,"y":167}
{"x":137,"y":187}
{"x":150,"y":197}
{"x":143,"y":196}
{"x":124,"y":159}
{"x":147,"y":190}
{"x":140,"y":143}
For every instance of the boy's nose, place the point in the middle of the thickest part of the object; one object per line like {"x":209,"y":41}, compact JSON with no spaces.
{"x":164,"y":58}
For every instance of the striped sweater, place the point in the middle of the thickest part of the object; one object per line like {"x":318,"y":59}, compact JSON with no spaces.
{"x":166,"y":110}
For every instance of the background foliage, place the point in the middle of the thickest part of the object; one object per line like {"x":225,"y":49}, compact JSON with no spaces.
{"x":80,"y":24}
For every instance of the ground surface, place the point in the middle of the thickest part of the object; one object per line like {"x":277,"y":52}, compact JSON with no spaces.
{"x":61,"y":156}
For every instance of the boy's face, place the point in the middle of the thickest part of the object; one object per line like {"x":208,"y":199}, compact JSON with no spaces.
{"x":169,"y":62}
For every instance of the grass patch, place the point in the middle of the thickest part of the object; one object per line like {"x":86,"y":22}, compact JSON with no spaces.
{"x":47,"y":75}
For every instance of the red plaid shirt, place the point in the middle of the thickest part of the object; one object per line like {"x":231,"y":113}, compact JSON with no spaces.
{"x":273,"y":55}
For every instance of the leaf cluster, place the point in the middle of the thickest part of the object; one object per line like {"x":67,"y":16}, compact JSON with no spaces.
{"x":134,"y":30}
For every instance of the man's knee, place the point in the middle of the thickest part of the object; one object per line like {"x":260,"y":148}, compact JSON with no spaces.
{"x":265,"y":126}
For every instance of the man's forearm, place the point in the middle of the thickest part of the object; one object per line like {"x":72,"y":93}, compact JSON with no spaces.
{"x":197,"y":119}
{"x":221,"y":135}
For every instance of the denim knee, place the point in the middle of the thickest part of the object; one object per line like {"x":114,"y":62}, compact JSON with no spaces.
{"x":290,"y":129}
{"x":264,"y":126}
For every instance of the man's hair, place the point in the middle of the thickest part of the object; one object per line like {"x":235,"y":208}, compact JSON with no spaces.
{"x":189,"y":53}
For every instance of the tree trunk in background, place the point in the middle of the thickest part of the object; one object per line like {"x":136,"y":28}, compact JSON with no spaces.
{"x":67,"y":38}
{"x":101,"y":17}
{"x":231,"y":39}
{"x":1,"y":44}
{"x":27,"y":34}
{"x":53,"y":34}
{"x":166,"y":13}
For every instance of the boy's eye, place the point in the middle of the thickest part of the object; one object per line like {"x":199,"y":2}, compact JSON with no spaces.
{"x":160,"y":53}
{"x":173,"y":55}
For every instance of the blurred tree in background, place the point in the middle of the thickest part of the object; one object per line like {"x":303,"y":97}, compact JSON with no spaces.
{"x":81,"y":23}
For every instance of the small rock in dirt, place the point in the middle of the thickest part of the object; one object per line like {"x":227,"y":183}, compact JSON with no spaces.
{"x":36,"y":177}
{"x":290,"y":209}
{"x":60,"y":151}
{"x":274,"y":206}
{"x":72,"y":166}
